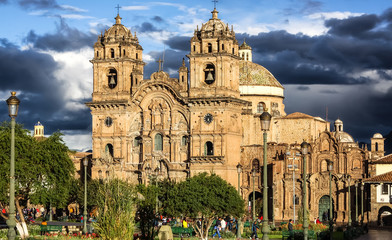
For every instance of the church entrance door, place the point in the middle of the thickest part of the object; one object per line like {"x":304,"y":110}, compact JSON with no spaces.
{"x":324,"y":208}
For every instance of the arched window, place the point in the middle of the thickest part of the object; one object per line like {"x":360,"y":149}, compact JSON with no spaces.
{"x":97,"y":54}
{"x":209,"y":48}
{"x":158,"y":142}
{"x":223,"y":47}
{"x":112,"y":53}
{"x":376,"y":147}
{"x":109,"y":149}
{"x":209,"y":74}
{"x":296,"y":200}
{"x":194,"y":48}
{"x":124,"y":52}
{"x":256,"y":165}
{"x":208,"y":149}
{"x":182,"y":78}
{"x":260,"y":107}
{"x":112,"y":78}
{"x":183,"y":140}
{"x":137,"y":56}
{"x":136,"y":141}
{"x":247,"y":57}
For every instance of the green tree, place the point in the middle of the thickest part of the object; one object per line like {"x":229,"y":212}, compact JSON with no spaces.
{"x":206,"y":197}
{"x":116,"y":207}
{"x":43,"y":169}
{"x":146,"y":210}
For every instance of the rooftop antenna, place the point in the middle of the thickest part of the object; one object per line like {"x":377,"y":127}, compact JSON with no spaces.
{"x":159,"y":64}
{"x":118,"y":9}
{"x":215,"y":2}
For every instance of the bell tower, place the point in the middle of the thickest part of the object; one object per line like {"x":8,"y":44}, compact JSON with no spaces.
{"x":214,"y":99}
{"x":117,"y":63}
{"x":214,"y":59}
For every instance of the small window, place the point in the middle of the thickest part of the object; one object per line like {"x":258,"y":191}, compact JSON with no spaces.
{"x":256,"y":165}
{"x":182,"y":78}
{"x":183,"y":140}
{"x":109,"y":149}
{"x":137,"y":56}
{"x":124,"y":52}
{"x":97,"y":54}
{"x":384,"y":189}
{"x":100,"y":174}
{"x":260,"y":107}
{"x":136,"y":141}
{"x":233,"y":50}
{"x":223,"y":47}
{"x":194,"y":48}
{"x":112,"y":53}
{"x":296,"y":200}
{"x":158,"y":142}
{"x":376,"y":147}
{"x":208,"y":149}
{"x":209,"y":48}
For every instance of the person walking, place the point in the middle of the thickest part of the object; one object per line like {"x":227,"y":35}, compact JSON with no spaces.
{"x":254,"y":230}
{"x":217,"y":229}
{"x":290,"y":228}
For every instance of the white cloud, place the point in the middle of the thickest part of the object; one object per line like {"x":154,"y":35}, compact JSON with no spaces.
{"x":72,"y":8}
{"x":75,"y":16}
{"x":330,"y":15}
{"x":135,"y":8}
{"x":77,"y":141}
{"x":75,"y":74}
{"x":38,"y":13}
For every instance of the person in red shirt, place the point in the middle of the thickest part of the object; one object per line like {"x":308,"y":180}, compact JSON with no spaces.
{"x":318,"y":221}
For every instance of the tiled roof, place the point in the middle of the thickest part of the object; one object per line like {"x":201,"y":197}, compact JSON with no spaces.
{"x":383,"y":178}
{"x":298,"y":115}
{"x":384,"y":160}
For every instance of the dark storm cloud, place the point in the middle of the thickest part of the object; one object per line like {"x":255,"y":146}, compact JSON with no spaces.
{"x":303,"y":88}
{"x":158,"y":19}
{"x":32,"y":75}
{"x":303,"y":7}
{"x":181,"y":43}
{"x":354,"y":26}
{"x":39,"y":4}
{"x":172,"y":62}
{"x":64,"y":39}
{"x":146,"y":27}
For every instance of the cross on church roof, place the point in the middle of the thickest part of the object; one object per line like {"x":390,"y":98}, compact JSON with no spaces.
{"x":215,"y":2}
{"x":118,"y":9}
{"x":160,"y":64}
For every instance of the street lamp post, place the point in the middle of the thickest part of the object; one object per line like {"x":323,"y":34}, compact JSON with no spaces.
{"x":157,"y":170}
{"x":304,"y":147}
{"x":254,"y":195}
{"x":349,"y":201}
{"x":85,"y":164}
{"x":356,"y":202}
{"x":13,"y":106}
{"x":362,"y":188}
{"x":239,"y":170}
{"x":265,"y":120}
{"x":330,"y":167}
{"x":273,"y":205}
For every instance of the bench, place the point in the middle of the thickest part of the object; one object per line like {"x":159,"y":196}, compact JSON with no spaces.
{"x":51,"y":228}
{"x":182,"y":231}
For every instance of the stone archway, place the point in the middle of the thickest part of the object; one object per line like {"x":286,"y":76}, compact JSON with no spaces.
{"x":323,"y":208}
{"x":384,"y":217}
{"x":258,"y":203}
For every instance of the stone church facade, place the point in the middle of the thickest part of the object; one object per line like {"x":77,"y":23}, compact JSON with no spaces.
{"x":207,"y":120}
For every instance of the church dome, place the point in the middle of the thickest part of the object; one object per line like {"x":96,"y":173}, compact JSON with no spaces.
{"x":338,"y":121}
{"x":377,"y":135}
{"x":255,"y":74}
{"x":344,"y":137}
{"x":215,"y":28}
{"x":118,"y":30}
